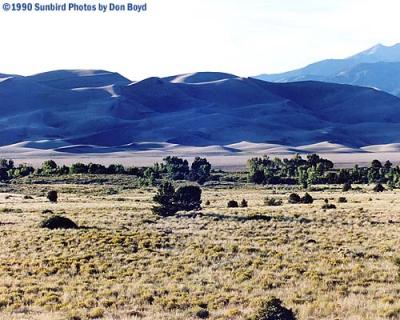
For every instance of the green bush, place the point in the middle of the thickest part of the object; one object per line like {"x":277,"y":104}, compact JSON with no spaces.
{"x":272,"y":309}
{"x":294,"y":198}
{"x":307,"y":199}
{"x":52,"y":196}
{"x":342,"y":200}
{"x":379,"y":188}
{"x":232,"y":204}
{"x":169,"y":201}
{"x":58,"y":222}
{"x":244,"y":203}
{"x":346,"y":187}
{"x":272,"y":202}
{"x":188,"y":198}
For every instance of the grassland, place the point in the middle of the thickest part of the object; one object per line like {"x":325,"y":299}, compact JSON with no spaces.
{"x":126,"y":263}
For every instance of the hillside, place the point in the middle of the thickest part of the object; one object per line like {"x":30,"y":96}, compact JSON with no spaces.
{"x":377,"y":67}
{"x":89,"y":111}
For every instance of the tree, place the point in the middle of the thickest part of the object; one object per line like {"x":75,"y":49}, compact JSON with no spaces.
{"x":165,"y":200}
{"x":176,"y":168}
{"x":115,"y":169}
{"x":78,"y":168}
{"x":49,"y":167}
{"x":169,"y":201}
{"x":200,"y":170}
{"x":376,"y":164}
{"x":94,"y":168}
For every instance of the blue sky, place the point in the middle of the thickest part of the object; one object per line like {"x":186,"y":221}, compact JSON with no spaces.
{"x":244,"y":37}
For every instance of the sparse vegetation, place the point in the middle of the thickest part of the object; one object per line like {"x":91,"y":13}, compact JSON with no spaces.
{"x":126,"y":262}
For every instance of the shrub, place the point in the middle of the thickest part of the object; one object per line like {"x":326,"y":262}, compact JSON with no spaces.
{"x":78,"y":168}
{"x":272,"y":202}
{"x":165,"y":199}
{"x":52,"y":196}
{"x":294,"y":198}
{"x":342,"y":200}
{"x":202,"y":313}
{"x":58,"y":222}
{"x":186,"y":198}
{"x":346,"y":187}
{"x":244,"y":203}
{"x":207,"y":203}
{"x":379,"y":188}
{"x":328,"y":206}
{"x":272,"y":309}
{"x":307,"y":199}
{"x":233,"y":204}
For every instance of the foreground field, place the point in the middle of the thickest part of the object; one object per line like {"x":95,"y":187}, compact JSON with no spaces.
{"x":126,"y":263}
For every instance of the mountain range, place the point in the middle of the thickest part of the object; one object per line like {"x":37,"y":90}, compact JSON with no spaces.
{"x":377,"y":67}
{"x":96,"y":111}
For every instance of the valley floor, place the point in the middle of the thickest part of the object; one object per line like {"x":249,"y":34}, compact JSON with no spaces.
{"x":126,"y":263}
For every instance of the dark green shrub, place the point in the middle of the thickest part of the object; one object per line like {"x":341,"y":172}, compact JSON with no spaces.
{"x":52,"y":196}
{"x":272,"y":309}
{"x":200,"y":170}
{"x":78,"y":168}
{"x":115,"y":169}
{"x":346,"y":187}
{"x":188,"y":198}
{"x":328,"y":206}
{"x":272,"y":202}
{"x":94,"y":168}
{"x":233,"y":204}
{"x":58,"y":222}
{"x":244,"y":203}
{"x":307,"y":199}
{"x":294,"y":198}
{"x":165,"y":200}
{"x":379,"y":188}
{"x":49,"y":167}
{"x":342,"y":200}
{"x":169,"y":201}
{"x":202,"y":313}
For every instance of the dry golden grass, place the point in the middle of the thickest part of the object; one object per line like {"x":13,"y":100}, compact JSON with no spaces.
{"x":128,"y":264}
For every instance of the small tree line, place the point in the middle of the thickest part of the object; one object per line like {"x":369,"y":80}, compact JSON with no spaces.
{"x":316,"y":170}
